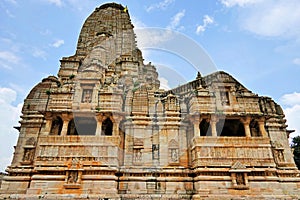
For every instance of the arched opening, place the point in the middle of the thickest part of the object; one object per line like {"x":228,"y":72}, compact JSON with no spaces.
{"x":56,"y":126}
{"x":107,"y":127}
{"x":72,"y":128}
{"x":86,"y":125}
{"x":231,"y":128}
{"x":205,"y":129}
{"x":254,"y":128}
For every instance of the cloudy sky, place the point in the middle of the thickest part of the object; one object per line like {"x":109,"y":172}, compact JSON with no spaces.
{"x":257,"y":41}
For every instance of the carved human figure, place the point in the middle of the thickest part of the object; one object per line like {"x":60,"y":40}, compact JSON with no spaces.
{"x":28,"y":155}
{"x":155,"y":151}
{"x":73,"y":177}
{"x":87,"y":96}
{"x":240,"y":180}
{"x":138,"y":155}
{"x":174,"y":155}
{"x":224,"y":98}
{"x":74,"y":162}
{"x":280,"y":156}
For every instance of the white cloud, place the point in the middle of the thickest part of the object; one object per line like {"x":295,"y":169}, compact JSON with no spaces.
{"x":175,"y":21}
{"x":290,"y":99}
{"x":296,"y":61}
{"x":207,"y":20}
{"x":9,"y":14}
{"x":38,"y":53}
{"x":45,"y":32}
{"x":164,"y":83}
{"x":7,"y":95}
{"x":12,"y":2}
{"x":80,"y":7}
{"x":231,"y":3}
{"x":292,"y":115}
{"x":58,"y":3}
{"x":58,"y":43}
{"x":161,"y":5}
{"x":149,"y":37}
{"x":9,"y":117}
{"x":269,"y":18}
{"x":137,"y":23}
{"x":292,"y":111}
{"x":8,"y":58}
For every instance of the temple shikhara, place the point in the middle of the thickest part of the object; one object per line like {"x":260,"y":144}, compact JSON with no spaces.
{"x":103,"y":129}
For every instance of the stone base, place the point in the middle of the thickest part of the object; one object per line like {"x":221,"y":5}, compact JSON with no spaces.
{"x":147,"y":197}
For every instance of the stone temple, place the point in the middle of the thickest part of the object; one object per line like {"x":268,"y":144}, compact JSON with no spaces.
{"x":102,"y":129}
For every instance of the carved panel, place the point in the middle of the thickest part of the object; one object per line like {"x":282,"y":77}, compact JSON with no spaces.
{"x":155,"y":151}
{"x":137,"y":156}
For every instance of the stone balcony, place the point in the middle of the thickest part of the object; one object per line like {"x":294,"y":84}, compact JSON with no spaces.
{"x":89,"y":150}
{"x":74,"y":140}
{"x":225,"y":151}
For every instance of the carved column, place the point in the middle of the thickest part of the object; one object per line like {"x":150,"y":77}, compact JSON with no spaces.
{"x":99,"y":119}
{"x":196,"y":129}
{"x":246,"y":122}
{"x":48,"y":117}
{"x":66,"y":119}
{"x":261,"y":125}
{"x":196,"y":122}
{"x":116,"y":121}
{"x":213,"y":125}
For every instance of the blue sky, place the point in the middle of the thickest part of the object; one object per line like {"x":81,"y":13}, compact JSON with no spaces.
{"x":256,"y":41}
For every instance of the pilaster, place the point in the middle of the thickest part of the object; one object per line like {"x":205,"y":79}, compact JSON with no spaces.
{"x":246,"y":122}
{"x":66,"y":119}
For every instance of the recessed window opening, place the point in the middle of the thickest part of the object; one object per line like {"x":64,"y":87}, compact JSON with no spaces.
{"x":107,"y":127}
{"x":231,"y":128}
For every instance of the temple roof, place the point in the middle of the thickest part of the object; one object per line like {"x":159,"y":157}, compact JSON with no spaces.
{"x":107,"y":21}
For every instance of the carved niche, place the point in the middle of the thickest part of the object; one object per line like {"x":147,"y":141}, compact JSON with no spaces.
{"x":29,"y":149}
{"x":278,"y":153}
{"x":137,"y":156}
{"x":73,"y":174}
{"x":87,"y":93}
{"x":155,"y":151}
{"x":28,"y":155}
{"x":173,"y":152}
{"x":239,"y":176}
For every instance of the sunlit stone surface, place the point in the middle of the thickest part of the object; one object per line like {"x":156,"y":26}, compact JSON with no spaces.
{"x":103,"y":129}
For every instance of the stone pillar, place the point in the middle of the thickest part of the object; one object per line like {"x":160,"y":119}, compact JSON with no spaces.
{"x":196,"y":123}
{"x":116,"y":121}
{"x":213,"y":125}
{"x":196,"y":129}
{"x":48,"y":117}
{"x":246,"y":122}
{"x":261,"y":125}
{"x":246,"y":178}
{"x":66,"y":119}
{"x":99,"y":119}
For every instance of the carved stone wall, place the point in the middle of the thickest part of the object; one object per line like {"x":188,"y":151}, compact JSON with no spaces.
{"x":103,"y":129}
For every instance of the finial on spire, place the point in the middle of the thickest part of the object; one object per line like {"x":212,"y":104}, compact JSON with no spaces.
{"x":125,"y":9}
{"x":198,"y":76}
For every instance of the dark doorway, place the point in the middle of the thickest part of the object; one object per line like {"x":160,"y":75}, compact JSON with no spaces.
{"x":205,"y":129}
{"x":86,"y":125}
{"x":72,"y":128}
{"x":107,"y":127}
{"x":231,"y":128}
{"x":56,"y":126}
